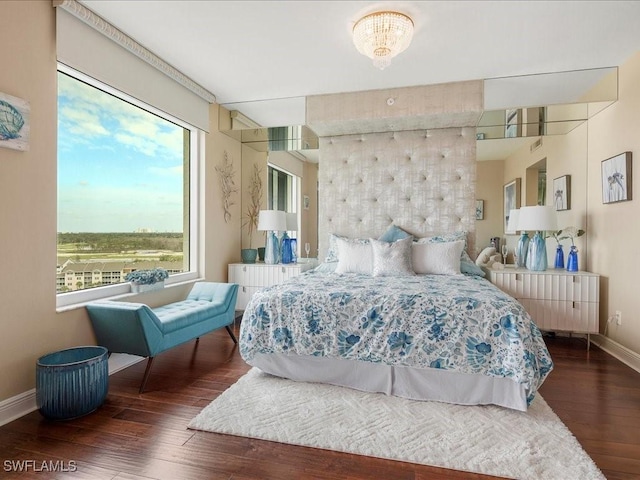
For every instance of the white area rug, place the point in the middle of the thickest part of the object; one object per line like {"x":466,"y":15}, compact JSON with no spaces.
{"x":482,"y":439}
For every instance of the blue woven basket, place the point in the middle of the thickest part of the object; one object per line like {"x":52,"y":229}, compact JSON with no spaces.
{"x":72,"y":382}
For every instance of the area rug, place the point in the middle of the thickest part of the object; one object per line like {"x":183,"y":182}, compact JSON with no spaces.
{"x":482,"y":439}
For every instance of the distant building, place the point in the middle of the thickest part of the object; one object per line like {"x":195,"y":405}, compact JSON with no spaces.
{"x":74,"y":275}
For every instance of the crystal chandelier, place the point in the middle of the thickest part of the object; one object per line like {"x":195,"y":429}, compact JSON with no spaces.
{"x":382,"y":35}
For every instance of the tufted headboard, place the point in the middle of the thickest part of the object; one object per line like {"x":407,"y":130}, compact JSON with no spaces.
{"x":422,"y":181}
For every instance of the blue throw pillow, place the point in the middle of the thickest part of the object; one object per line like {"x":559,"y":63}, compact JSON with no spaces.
{"x":393,"y":234}
{"x":470,"y":268}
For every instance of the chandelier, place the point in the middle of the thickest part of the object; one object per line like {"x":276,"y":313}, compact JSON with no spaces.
{"x":382,"y":35}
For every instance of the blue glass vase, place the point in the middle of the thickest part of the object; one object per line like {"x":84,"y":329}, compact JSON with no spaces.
{"x":537,"y":254}
{"x":294,"y":250}
{"x":521,"y":250}
{"x":572,"y":260}
{"x":272,"y":250}
{"x":559,"y":257}
{"x":287,"y":256}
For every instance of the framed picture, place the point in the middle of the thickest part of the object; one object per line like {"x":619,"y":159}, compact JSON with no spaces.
{"x":479,"y":209}
{"x":14,"y":122}
{"x":616,"y":178}
{"x":511,"y":201}
{"x":562,"y":193}
{"x":512,"y":123}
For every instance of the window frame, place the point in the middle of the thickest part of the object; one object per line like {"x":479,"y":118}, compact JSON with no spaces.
{"x":78,"y":298}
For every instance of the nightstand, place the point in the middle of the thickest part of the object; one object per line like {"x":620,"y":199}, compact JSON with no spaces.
{"x":557,"y":300}
{"x":253,"y":276}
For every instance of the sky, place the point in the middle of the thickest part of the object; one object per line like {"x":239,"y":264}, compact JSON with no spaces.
{"x":120,"y":168}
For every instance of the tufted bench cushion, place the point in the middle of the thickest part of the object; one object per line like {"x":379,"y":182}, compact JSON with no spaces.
{"x":178,"y":315}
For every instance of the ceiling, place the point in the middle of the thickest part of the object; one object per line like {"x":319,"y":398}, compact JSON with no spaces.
{"x":264,"y":57}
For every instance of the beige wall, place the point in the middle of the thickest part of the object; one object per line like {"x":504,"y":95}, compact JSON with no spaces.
{"x":614,"y":229}
{"x":221,"y":239}
{"x":489,"y":183}
{"x":29,"y":323}
{"x":610,"y":244}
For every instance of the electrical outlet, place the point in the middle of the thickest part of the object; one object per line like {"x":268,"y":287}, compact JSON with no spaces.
{"x":618,"y":317}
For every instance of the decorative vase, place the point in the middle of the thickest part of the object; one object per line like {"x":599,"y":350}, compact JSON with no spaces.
{"x":537,"y":254}
{"x":287,"y":256}
{"x":572,"y":260}
{"x":146,"y":287}
{"x":522,"y":250}
{"x":559,"y":257}
{"x":249,"y":255}
{"x":294,"y":250}
{"x":272,"y":252}
{"x":261,"y":253}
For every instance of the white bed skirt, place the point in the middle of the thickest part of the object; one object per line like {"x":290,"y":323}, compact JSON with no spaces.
{"x":416,"y":384}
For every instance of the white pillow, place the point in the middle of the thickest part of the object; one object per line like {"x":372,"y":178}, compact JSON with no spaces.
{"x":392,"y":259}
{"x":437,"y":258}
{"x":354,"y":256}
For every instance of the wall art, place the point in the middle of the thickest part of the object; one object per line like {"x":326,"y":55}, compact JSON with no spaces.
{"x":14,"y":122}
{"x":616,"y":178}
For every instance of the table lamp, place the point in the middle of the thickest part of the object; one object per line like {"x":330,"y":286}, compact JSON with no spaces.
{"x":539,"y":218}
{"x":272,"y":221}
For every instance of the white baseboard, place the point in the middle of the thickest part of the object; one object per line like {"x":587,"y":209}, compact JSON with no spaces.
{"x":15,"y":407}
{"x":613,"y":348}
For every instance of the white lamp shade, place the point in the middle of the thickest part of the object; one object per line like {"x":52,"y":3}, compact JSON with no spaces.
{"x":292,"y":222}
{"x":539,"y":218}
{"x":275,"y":220}
{"x":512,"y":224}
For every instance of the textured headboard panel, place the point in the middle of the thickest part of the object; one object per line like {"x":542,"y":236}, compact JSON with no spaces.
{"x":422,"y":181}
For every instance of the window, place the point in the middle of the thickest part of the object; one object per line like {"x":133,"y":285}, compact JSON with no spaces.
{"x":282,"y":190}
{"x":126,"y":190}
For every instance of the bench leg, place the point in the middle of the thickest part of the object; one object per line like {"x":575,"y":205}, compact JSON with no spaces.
{"x":230,"y":332}
{"x":147,"y":371}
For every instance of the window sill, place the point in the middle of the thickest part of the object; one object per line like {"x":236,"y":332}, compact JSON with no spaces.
{"x":75,"y":306}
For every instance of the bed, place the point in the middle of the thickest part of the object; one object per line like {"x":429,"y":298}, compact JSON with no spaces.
{"x":452,"y":338}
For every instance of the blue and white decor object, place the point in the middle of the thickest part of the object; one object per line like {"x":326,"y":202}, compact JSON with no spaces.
{"x":272,"y":221}
{"x":522,"y":248}
{"x":14,"y":122}
{"x":539,"y":218}
{"x":286,"y":245}
{"x":559,"y":263}
{"x":572,"y":260}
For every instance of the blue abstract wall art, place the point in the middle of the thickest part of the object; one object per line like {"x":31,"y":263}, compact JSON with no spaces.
{"x":14,"y":122}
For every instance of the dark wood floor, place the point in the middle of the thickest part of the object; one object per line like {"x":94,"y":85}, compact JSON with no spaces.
{"x":136,"y":436}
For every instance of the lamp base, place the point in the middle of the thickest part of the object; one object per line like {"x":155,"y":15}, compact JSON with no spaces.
{"x":522,"y":250}
{"x":537,"y":254}
{"x":272,"y":250}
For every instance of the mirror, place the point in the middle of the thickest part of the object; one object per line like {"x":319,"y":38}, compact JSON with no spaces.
{"x":520,"y":107}
{"x":298,"y":140}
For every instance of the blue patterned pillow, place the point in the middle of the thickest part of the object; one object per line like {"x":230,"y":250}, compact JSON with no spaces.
{"x":393,"y":233}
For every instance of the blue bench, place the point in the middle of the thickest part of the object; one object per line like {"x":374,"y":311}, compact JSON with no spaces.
{"x":137,"y":329}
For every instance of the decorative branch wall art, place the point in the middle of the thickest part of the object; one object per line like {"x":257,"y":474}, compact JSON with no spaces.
{"x":227,"y":184}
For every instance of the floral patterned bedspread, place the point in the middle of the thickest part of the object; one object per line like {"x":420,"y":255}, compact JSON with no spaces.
{"x":460,"y":323}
